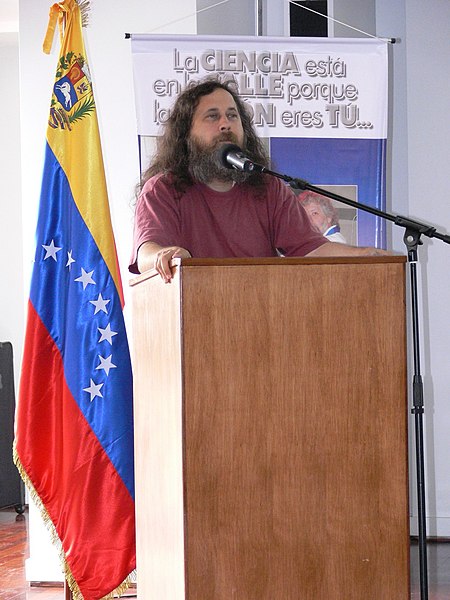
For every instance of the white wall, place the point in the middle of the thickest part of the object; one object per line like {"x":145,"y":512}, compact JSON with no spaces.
{"x":11,"y":296}
{"x":360,"y":15}
{"x":428,"y":97}
{"x":236,"y":17}
{"x":417,"y":186}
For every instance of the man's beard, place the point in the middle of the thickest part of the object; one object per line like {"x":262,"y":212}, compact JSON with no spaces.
{"x":205,"y":166}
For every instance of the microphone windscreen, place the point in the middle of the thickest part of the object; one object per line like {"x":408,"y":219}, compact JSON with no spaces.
{"x":222,"y":153}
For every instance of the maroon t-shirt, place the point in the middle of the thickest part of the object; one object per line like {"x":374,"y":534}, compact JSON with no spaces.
{"x":238,"y":223}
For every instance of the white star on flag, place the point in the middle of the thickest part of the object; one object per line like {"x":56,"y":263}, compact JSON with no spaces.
{"x":106,"y":364}
{"x":70,"y":260}
{"x":51,"y":250}
{"x":106,"y":334}
{"x":100,"y":304}
{"x":94,"y":389}
{"x":85,"y":278}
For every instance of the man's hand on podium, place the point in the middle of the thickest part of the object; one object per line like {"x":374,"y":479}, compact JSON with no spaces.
{"x":153,"y":256}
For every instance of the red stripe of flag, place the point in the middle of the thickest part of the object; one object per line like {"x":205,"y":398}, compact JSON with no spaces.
{"x":61,"y":461}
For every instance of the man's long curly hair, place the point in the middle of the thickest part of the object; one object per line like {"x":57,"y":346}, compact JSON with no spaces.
{"x":172,"y":154}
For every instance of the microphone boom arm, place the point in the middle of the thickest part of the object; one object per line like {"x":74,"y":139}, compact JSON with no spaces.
{"x":413,"y":228}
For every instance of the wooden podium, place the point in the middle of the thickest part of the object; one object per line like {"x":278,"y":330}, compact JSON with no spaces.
{"x":271,"y":430}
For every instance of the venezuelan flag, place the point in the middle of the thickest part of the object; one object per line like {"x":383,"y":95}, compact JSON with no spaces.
{"x":74,"y":422}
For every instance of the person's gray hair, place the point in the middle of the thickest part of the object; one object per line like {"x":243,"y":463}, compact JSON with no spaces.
{"x":308,"y":198}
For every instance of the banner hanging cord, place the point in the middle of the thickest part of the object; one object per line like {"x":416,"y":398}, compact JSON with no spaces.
{"x":389,"y":40}
{"x":186,"y":16}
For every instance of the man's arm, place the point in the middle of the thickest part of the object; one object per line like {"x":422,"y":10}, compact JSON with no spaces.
{"x":335,"y":249}
{"x":154,"y":256}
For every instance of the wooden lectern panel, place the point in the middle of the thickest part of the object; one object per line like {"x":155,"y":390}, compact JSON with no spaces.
{"x":158,"y":439}
{"x":291,"y":432}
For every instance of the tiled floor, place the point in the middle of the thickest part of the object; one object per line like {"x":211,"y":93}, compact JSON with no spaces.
{"x":14,"y":550}
{"x":438,"y":557}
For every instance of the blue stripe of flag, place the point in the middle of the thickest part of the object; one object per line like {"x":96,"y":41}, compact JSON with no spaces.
{"x":80,"y":307}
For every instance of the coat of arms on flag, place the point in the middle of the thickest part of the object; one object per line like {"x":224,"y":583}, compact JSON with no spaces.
{"x":72,"y":92}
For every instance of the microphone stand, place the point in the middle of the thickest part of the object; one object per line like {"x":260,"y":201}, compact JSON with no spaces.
{"x":413,"y":232}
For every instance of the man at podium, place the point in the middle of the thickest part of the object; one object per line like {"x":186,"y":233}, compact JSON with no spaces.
{"x":193,"y":203}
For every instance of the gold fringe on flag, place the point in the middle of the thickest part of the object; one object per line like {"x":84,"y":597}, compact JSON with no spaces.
{"x":76,"y":594}
{"x":85,"y":8}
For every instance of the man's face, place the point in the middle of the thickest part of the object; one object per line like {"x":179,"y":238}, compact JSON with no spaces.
{"x":317,"y":217}
{"x":216,"y":120}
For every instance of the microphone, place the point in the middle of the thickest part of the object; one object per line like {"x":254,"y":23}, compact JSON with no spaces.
{"x":232,"y":157}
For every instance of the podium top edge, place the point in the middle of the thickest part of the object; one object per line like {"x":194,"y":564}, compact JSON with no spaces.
{"x":280,"y":261}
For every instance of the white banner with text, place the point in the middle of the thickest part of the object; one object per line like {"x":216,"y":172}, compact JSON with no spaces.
{"x":296,"y":87}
